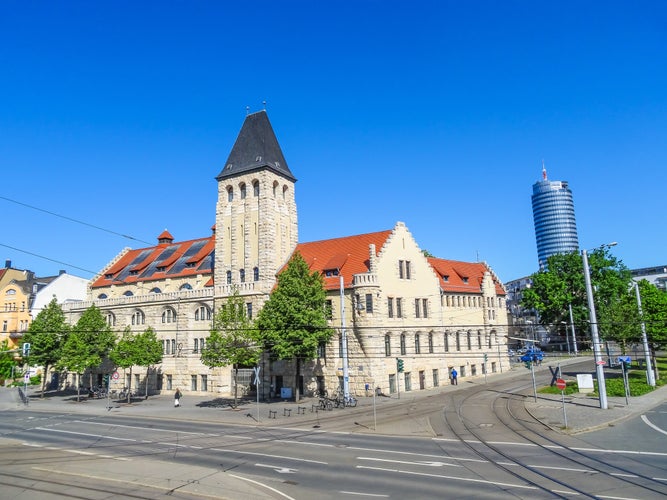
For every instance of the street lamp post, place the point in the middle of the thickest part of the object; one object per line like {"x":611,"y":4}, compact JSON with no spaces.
{"x":650,"y":376}
{"x":346,"y":372}
{"x":574,"y":336}
{"x":599,"y":362}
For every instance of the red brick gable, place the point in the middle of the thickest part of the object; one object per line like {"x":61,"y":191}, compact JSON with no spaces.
{"x":345,"y":256}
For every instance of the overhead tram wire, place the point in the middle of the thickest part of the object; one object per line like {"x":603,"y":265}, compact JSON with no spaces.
{"x":76,"y":221}
{"x":47,"y":258}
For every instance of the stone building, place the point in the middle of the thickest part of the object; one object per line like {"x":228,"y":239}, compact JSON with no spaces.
{"x":434,"y":314}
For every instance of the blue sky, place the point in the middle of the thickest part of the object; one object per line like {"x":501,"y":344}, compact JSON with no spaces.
{"x":438,"y":114}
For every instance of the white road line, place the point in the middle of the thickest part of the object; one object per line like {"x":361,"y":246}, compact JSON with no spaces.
{"x":425,"y":464}
{"x":244,"y":452}
{"x":293,"y":441}
{"x":358,"y":493}
{"x":396,"y":452}
{"x":80,"y":452}
{"x":651,"y":425}
{"x":621,"y":452}
{"x":438,"y":476}
{"x":84,"y":434}
{"x":262,"y":485}
{"x":144,"y":429}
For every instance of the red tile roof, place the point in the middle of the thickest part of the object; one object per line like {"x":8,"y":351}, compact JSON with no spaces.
{"x":462,"y":277}
{"x":341,"y":256}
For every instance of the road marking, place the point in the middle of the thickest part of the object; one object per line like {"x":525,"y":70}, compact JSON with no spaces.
{"x":468,"y":480}
{"x":620,"y":452}
{"x":262,"y":485}
{"x":278,"y":468}
{"x":293,"y":441}
{"x":79,"y":452}
{"x":375,"y":450}
{"x":358,"y":493}
{"x":244,"y":452}
{"x":84,"y":434}
{"x":426,"y":464}
{"x":651,"y":425}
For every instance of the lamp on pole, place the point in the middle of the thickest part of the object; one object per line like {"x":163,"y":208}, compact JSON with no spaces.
{"x":650,"y":376}
{"x":574,"y":336}
{"x":599,"y":362}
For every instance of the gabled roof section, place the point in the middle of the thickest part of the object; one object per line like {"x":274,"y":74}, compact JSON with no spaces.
{"x":462,"y":277}
{"x":165,"y":260}
{"x":345,"y":256}
{"x":256,"y":148}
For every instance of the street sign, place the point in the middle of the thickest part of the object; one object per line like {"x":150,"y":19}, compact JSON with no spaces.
{"x":26,"y":378}
{"x":560,"y":383}
{"x":256,"y":370}
{"x":601,"y":362}
{"x":115,"y":375}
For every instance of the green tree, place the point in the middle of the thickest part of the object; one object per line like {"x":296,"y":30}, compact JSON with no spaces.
{"x":46,"y":335}
{"x":233,"y":339}
{"x":654,"y":309}
{"x":124,"y":354}
{"x":7,"y":362}
{"x":292,"y":323}
{"x":562,"y":284}
{"x":87,"y":344}
{"x":150,"y":351}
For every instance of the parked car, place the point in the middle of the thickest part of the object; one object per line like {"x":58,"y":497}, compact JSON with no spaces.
{"x":532,"y":355}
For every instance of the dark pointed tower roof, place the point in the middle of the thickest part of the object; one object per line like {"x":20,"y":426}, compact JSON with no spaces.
{"x":256,"y":148}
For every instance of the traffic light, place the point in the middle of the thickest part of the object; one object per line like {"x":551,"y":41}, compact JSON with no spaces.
{"x":106,"y":379}
{"x":527,"y":364}
{"x":26,"y":349}
{"x":399,"y":365}
{"x":486,"y":357}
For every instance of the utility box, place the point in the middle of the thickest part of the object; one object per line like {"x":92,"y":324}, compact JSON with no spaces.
{"x":585,"y":382}
{"x":286,"y":392}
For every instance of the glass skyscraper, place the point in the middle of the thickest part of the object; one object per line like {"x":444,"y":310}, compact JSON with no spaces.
{"x":553,"y":215}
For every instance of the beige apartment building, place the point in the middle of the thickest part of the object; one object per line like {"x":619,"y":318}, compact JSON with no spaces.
{"x":388,"y":297}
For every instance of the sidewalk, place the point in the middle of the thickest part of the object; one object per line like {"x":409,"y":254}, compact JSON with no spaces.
{"x":583,"y":412}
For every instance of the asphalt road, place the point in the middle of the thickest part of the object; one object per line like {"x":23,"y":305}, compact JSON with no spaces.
{"x":486,"y":446}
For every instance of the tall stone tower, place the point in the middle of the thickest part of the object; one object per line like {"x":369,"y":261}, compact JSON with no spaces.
{"x":256,"y":216}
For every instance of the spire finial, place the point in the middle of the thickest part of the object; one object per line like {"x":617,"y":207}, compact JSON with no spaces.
{"x":264,"y":104}
{"x":544,"y":171}
{"x":247,"y":110}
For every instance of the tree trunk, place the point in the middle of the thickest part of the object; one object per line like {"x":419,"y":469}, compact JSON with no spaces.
{"x":148,"y":370}
{"x":296,"y":381}
{"x":129,"y":387}
{"x":46,"y":371}
{"x":78,"y":387}
{"x":236,"y":384}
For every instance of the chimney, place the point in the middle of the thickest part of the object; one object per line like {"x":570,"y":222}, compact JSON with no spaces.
{"x":8,"y":264}
{"x":61,"y":272}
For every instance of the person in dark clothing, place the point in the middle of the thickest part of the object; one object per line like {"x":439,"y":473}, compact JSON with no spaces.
{"x":455,"y":375}
{"x":177,"y":398}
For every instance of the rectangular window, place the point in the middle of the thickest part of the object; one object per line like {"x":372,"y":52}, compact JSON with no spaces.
{"x":425,"y":308}
{"x":399,"y":307}
{"x":408,"y":381}
{"x":196,"y":348}
{"x":417,"y":308}
{"x":193,"y":382}
{"x":169,"y":384}
{"x":204,"y":383}
{"x":462,"y":371}
{"x":493,"y":367}
{"x":408,"y":271}
{"x":248,"y":310}
{"x":322,"y":350}
{"x":401,"y":269}
{"x":387,"y":345}
{"x":392,"y":384}
{"x":390,"y":307}
{"x":473,"y":370}
{"x":436,"y":378}
{"x":446,"y":342}
{"x":369,"y":302}
{"x":173,"y":346}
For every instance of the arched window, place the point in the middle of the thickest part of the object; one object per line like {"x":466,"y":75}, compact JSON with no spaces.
{"x":242,"y":275}
{"x":230,"y":193}
{"x":128,"y":293}
{"x":102,"y":296}
{"x":229,"y":277}
{"x":275,"y":188}
{"x":255,"y":273}
{"x":430,"y":343}
{"x":403,"y":350}
{"x":387,"y":345}
{"x":185,"y":286}
{"x":242,"y":190}
{"x":155,"y":290}
{"x":479,"y":339}
{"x":469,"y":340}
{"x":458,"y":341}
{"x":255,"y":188}
{"x":446,"y":341}
{"x":417,"y":344}
{"x":196,"y":349}
{"x":111,"y":319}
{"x":202,"y":313}
{"x":138,"y":318}
{"x":284,"y":191}
{"x":169,"y":315}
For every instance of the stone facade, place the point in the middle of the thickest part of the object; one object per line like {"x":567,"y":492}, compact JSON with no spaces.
{"x":396,"y":303}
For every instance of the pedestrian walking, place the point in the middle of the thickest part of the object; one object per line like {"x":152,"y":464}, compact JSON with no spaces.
{"x":177,"y":398}
{"x":455,"y":374}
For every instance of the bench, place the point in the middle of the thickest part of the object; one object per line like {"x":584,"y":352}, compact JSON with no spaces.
{"x":272,"y":414}
{"x":300,"y":410}
{"x":287,"y":412}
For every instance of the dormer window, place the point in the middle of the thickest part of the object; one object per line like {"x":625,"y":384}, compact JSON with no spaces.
{"x":108,"y":276}
{"x":445,"y":278}
{"x":134,"y":273}
{"x":330,"y":272}
{"x":465,"y":279}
